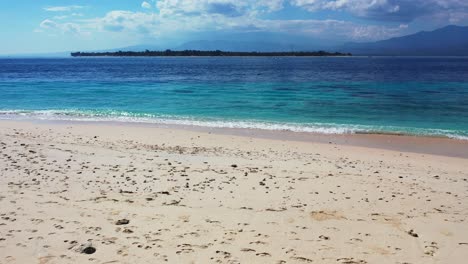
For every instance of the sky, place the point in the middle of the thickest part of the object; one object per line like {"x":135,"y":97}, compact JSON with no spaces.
{"x":43,"y":26}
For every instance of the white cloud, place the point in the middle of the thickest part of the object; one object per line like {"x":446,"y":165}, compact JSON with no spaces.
{"x":220,"y":7}
{"x":372,"y":32}
{"x":146,"y":5}
{"x":156,"y":25}
{"x":48,"y":24}
{"x":387,"y":10}
{"x":62,"y":8}
{"x":355,"y":6}
{"x":118,"y":21}
{"x":60,"y":17}
{"x":51,"y":25}
{"x":177,"y":17}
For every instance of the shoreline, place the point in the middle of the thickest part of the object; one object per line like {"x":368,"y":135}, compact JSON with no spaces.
{"x":320,"y":128}
{"x":431,"y":145}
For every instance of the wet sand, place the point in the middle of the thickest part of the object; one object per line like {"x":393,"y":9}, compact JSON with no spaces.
{"x":103,"y":193}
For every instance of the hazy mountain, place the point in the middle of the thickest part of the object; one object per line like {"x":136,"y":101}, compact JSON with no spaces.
{"x":257,"y":41}
{"x":447,"y":41}
{"x":141,"y":47}
{"x":246,"y":41}
{"x":238,"y":46}
{"x":37,"y":55}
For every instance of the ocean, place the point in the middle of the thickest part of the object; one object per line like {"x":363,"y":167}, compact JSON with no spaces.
{"x":334,"y":95}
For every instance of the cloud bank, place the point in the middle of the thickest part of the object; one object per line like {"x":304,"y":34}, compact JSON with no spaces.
{"x":388,"y":10}
{"x":156,"y":19}
{"x":63,"y":8}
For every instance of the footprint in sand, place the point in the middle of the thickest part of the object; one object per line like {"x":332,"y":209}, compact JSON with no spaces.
{"x":326,"y":215}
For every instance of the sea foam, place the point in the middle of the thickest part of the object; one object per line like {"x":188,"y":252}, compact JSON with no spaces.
{"x":128,"y":117}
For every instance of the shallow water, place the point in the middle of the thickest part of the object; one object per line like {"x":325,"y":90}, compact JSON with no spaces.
{"x":417,"y":96}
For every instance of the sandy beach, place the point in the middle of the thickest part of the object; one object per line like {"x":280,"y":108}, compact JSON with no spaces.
{"x":103,"y":193}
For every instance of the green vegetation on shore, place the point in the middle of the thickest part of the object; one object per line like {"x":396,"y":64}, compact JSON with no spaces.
{"x":171,"y":53}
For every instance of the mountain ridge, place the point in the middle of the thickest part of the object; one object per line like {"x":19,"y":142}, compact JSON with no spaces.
{"x":450,"y":40}
{"x":447,"y":41}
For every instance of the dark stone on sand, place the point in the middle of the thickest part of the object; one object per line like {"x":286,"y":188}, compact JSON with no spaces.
{"x":412,"y":233}
{"x":234,"y":165}
{"x":122,"y":222}
{"x":88,"y":250}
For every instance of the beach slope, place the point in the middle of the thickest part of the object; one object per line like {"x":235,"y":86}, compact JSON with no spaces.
{"x":97,"y":193}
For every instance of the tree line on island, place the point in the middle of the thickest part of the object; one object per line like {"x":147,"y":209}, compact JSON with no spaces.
{"x":173,"y":53}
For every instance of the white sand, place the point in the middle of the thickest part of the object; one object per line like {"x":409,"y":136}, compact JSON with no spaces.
{"x":284,"y":202}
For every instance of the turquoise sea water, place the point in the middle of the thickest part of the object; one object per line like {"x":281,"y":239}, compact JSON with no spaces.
{"x":417,"y":96}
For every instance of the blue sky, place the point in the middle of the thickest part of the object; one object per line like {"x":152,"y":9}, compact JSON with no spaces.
{"x":30,"y":26}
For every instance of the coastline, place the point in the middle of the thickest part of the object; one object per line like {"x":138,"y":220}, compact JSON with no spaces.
{"x":145,"y":194}
{"x":432,"y":145}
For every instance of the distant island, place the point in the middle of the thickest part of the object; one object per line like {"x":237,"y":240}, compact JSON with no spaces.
{"x":200,"y":53}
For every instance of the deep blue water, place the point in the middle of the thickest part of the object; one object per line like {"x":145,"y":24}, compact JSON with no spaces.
{"x":420,"y":96}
